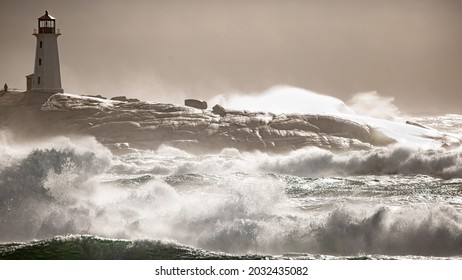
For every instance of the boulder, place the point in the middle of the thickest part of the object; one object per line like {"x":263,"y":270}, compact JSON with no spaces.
{"x":199,"y":104}
{"x":95,"y":96}
{"x":120,"y":98}
{"x":219,"y":110}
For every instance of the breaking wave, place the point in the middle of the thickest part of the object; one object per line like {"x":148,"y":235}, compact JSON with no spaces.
{"x":402,"y":160}
{"x":230,"y":202}
{"x":306,"y":162}
{"x":87,"y":247}
{"x":34,"y":187}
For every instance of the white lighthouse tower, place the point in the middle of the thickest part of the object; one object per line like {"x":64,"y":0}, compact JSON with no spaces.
{"x":46,"y":77}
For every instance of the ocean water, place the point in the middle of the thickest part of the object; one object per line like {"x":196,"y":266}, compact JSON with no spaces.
{"x":72,"y":198}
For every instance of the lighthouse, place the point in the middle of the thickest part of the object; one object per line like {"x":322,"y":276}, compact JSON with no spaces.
{"x":46,"y":77}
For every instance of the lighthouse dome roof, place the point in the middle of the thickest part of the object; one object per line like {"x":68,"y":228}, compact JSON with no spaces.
{"x":46,"y":16}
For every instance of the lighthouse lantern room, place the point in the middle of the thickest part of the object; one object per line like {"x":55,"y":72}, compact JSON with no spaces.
{"x":46,"y":23}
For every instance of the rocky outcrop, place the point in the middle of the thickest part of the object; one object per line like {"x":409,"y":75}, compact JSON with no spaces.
{"x":145,"y":124}
{"x":32,"y":115}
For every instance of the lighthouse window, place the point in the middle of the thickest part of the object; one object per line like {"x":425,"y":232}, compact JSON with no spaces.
{"x":41,"y":44}
{"x":46,"y":23}
{"x":40,"y":61}
{"x":38,"y":80}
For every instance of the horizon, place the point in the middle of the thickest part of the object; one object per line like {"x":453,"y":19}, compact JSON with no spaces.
{"x":167,"y":51}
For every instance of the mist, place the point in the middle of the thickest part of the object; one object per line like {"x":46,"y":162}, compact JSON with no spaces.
{"x":373,"y":105}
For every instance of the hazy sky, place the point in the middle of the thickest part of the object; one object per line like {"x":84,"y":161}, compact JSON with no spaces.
{"x":167,"y":50}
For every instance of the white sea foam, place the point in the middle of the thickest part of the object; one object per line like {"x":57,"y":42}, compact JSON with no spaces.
{"x":307,"y":162}
{"x":224,"y":202}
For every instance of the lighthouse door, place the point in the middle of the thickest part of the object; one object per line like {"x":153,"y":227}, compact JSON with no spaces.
{"x":29,"y":83}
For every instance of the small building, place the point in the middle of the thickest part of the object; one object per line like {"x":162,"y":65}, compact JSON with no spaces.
{"x":29,"y":81}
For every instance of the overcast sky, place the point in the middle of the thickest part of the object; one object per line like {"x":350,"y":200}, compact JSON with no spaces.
{"x":167,"y":50}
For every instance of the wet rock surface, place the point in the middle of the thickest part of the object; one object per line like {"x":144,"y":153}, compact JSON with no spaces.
{"x":148,"y":125}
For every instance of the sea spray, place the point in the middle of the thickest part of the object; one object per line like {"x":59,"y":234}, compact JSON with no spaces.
{"x":370,"y":109}
{"x":283,"y":99}
{"x":374,"y":105}
{"x":28,"y":198}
